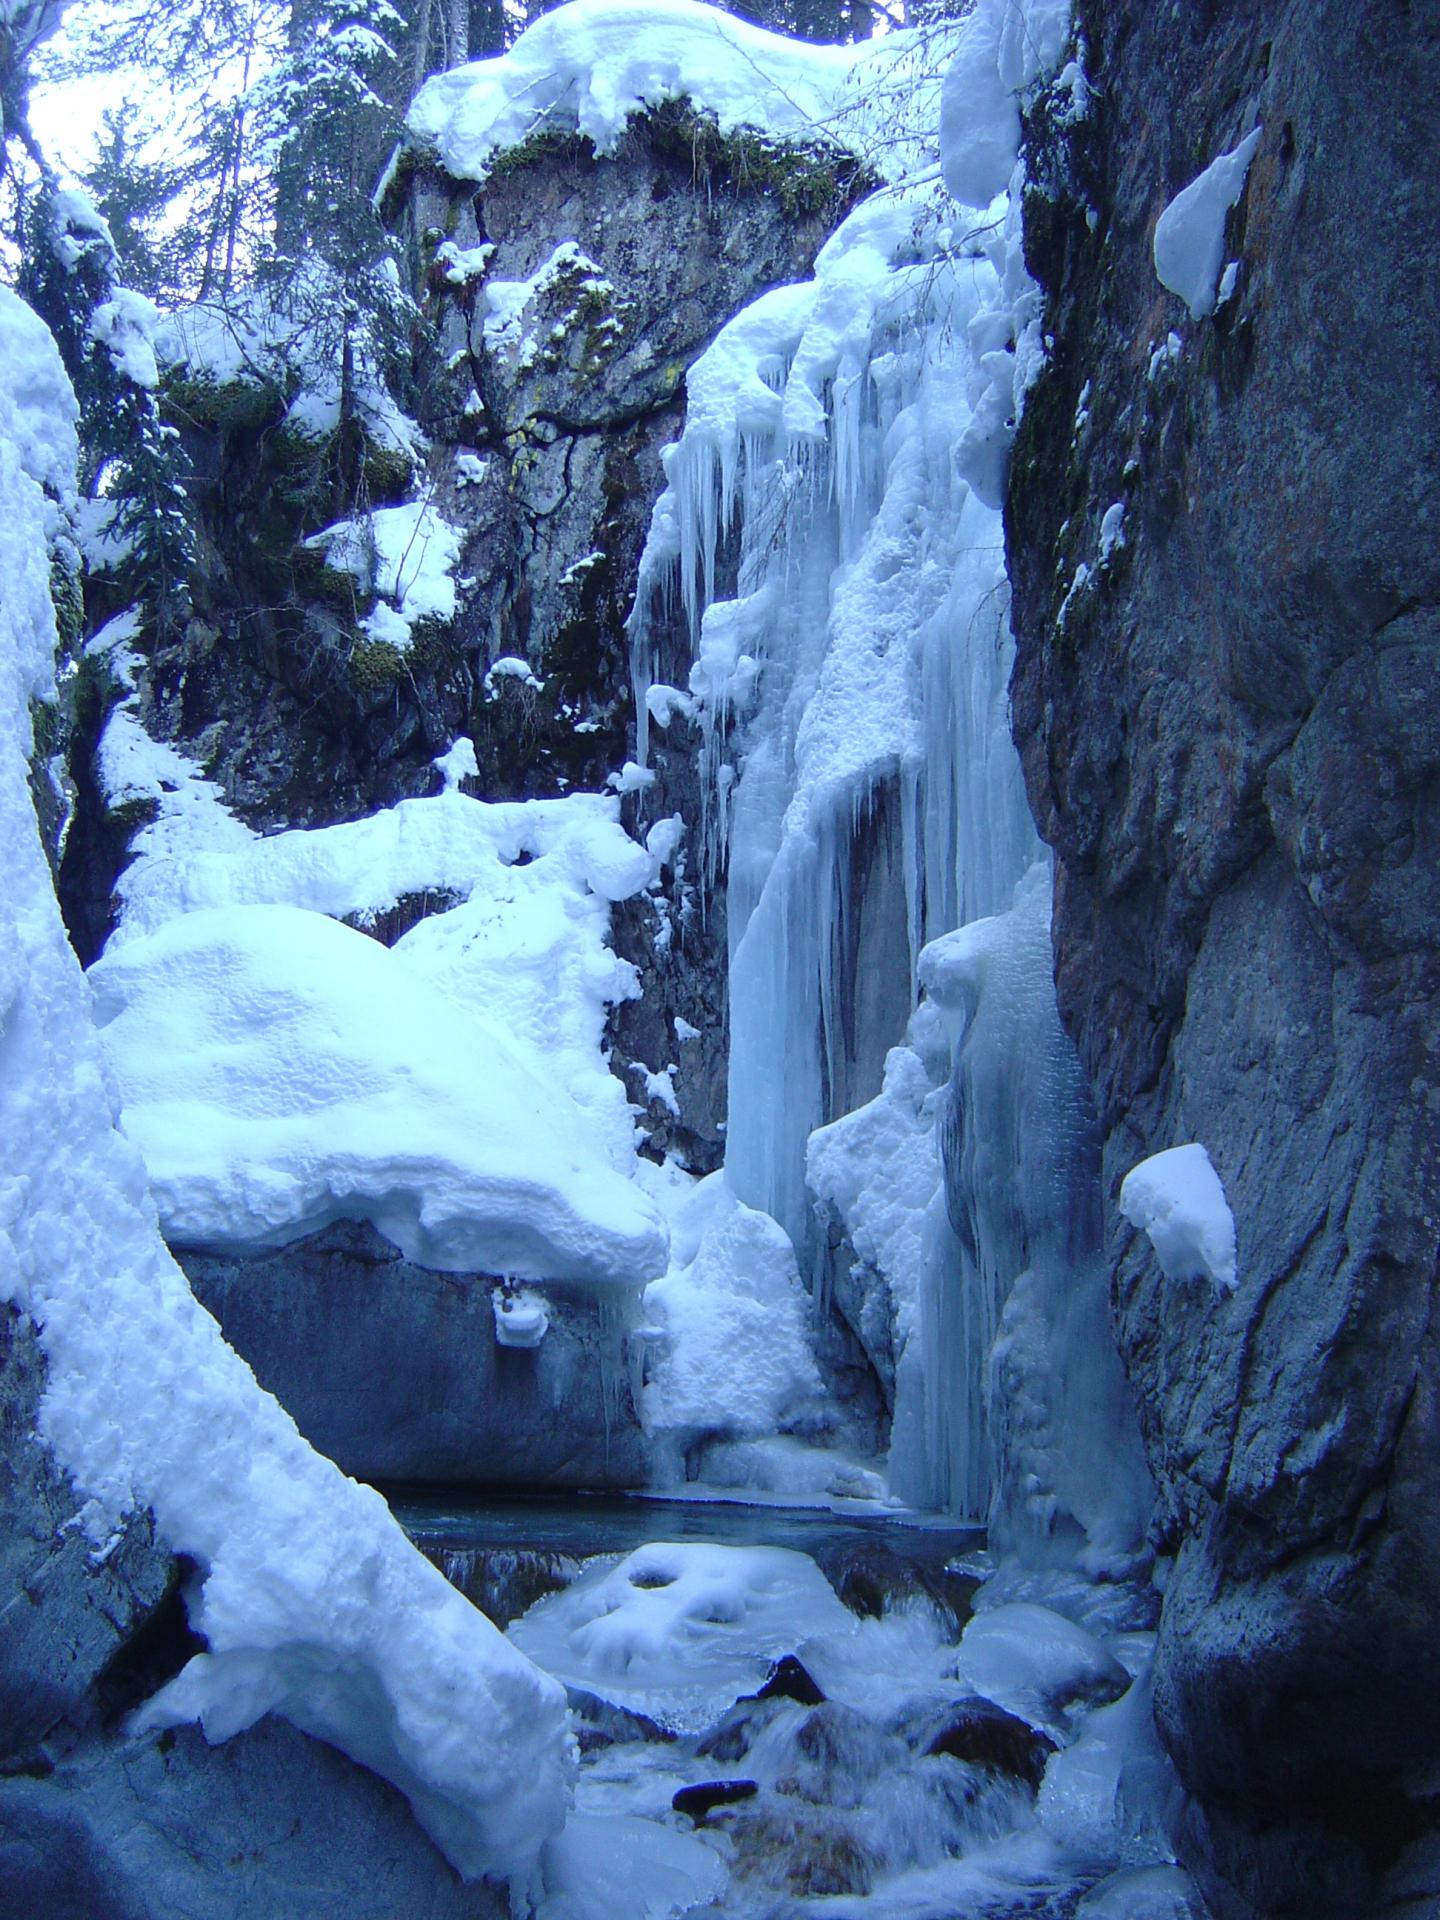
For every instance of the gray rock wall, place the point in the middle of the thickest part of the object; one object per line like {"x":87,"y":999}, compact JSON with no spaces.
{"x":394,"y":1372}
{"x":1232,"y":741}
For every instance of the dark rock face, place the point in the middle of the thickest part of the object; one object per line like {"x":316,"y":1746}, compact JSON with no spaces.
{"x":395,"y":1373}
{"x":1232,"y":741}
{"x":67,"y":1610}
{"x":270,"y":1823}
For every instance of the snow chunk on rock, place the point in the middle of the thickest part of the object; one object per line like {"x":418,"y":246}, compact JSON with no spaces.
{"x":679,"y":1630}
{"x":1178,"y":1198}
{"x":1190,"y":234}
{"x":280,"y":1071}
{"x":1006,"y":46}
{"x":1035,"y":1663}
{"x":405,"y":555}
{"x":593,"y":63}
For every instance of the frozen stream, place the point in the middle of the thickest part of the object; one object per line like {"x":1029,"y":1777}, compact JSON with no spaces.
{"x":857,"y":1715}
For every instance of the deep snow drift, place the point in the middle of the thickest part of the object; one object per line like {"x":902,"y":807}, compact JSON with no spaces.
{"x":279,"y":1070}
{"x":312,"y":1602}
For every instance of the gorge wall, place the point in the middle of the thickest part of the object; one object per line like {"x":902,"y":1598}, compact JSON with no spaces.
{"x":1231,"y":741}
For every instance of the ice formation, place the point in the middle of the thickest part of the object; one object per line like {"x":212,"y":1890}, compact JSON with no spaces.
{"x":1178,"y":1198}
{"x":311,"y":1601}
{"x":848,"y":675}
{"x":1190,"y":233}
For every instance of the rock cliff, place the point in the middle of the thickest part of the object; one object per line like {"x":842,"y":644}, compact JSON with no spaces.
{"x":1231,"y":740}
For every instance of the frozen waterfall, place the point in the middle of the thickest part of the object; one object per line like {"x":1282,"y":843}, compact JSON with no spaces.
{"x":841,"y":579}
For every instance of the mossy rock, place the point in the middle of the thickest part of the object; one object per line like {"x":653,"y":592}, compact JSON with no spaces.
{"x":67,"y":592}
{"x":546,"y":143}
{"x":807,"y":177}
{"x":376,"y":664}
{"x":230,"y":406}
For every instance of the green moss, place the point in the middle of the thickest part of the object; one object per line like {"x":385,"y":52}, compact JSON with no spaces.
{"x":808,"y":178}
{"x":375,"y":664}
{"x":546,"y":143}
{"x":68,"y":594}
{"x":388,"y":471}
{"x":231,"y":406}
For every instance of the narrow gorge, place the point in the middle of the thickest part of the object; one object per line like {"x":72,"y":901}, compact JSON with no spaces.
{"x":719,"y":1027}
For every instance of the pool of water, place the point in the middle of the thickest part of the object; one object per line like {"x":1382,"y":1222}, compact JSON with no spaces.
{"x":583,"y":1524}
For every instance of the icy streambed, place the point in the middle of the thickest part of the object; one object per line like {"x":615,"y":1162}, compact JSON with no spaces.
{"x":857,"y":1715}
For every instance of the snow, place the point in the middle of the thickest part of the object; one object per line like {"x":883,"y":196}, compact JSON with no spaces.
{"x":312,"y":1602}
{"x":40,"y":407}
{"x":521,"y":1317}
{"x":631,"y":778}
{"x":1007,"y":46}
{"x":407,"y":556}
{"x":510,"y":667}
{"x":523,"y":959}
{"x":1036,"y":1663}
{"x":663,"y":703}
{"x":279,"y":1071}
{"x":457,"y":763}
{"x":1169,"y":351}
{"x":1189,"y":243}
{"x":1178,"y":1198}
{"x":1112,"y":530}
{"x":679,"y":1630}
{"x":202,"y":856}
{"x":126,"y":325}
{"x":732,"y":1352}
{"x":275,"y":339}
{"x":508,"y":301}
{"x":592,"y":64}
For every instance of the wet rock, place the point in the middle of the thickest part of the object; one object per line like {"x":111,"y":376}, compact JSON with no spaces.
{"x":985,"y":1735}
{"x":834,"y":1755}
{"x":873,"y":1580}
{"x":394,"y":1371}
{"x":733,"y":1735}
{"x":503,"y":1582}
{"x":604,"y":1724}
{"x":1232,"y":744}
{"x":790,"y":1679}
{"x":699,"y":1801}
{"x":805,"y":1851}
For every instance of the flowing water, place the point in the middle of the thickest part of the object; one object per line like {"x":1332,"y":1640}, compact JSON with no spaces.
{"x":776,"y":1719}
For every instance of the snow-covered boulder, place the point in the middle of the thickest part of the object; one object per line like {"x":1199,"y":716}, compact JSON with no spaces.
{"x":678,"y":1630}
{"x":594,"y":63}
{"x":279,"y":1070}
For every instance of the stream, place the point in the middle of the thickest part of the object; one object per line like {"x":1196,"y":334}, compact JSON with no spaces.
{"x":777,"y":1717}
